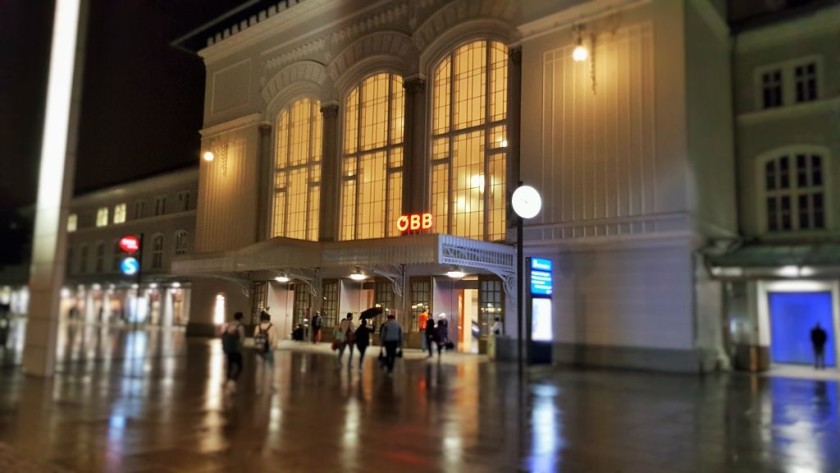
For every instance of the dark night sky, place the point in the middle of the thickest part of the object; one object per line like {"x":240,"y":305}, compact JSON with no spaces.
{"x":142,"y":99}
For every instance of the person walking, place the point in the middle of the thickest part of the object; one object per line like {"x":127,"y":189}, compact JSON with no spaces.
{"x":818,"y":339}
{"x":265,"y":341}
{"x":422,"y":320}
{"x":344,"y":334}
{"x":442,"y":334}
{"x":233,"y":334}
{"x":391,"y":335}
{"x":429,"y":336}
{"x":362,"y":340}
{"x":317,"y":323}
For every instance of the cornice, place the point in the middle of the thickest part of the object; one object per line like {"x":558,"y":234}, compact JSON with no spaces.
{"x":820,"y":22}
{"x":790,"y":111}
{"x":232,"y":125}
{"x":582,"y":13}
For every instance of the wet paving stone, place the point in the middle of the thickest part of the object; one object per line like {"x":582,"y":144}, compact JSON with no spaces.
{"x":153,"y":401}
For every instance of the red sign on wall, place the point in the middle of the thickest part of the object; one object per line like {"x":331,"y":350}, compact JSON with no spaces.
{"x":414,"y":222}
{"x":130,"y":244}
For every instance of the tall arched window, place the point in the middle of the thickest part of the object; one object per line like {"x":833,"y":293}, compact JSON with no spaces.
{"x":372,"y":165}
{"x":182,"y":242}
{"x":469,"y":109}
{"x":157,"y":252}
{"x":297,"y":171}
{"x":793,"y":192}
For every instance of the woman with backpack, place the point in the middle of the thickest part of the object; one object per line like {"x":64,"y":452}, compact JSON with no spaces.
{"x":265,"y":341}
{"x":233,"y":334}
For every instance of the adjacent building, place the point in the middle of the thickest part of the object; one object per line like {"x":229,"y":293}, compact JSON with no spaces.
{"x":160,"y":210}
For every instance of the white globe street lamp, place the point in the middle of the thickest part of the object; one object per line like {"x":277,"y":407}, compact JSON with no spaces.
{"x":526,"y":203}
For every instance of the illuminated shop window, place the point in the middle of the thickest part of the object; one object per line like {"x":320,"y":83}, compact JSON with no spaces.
{"x":297,"y":172}
{"x":102,"y":217}
{"x":793,"y":192}
{"x":372,"y":165}
{"x":72,"y":222}
{"x":119,"y":213}
{"x":469,"y":143}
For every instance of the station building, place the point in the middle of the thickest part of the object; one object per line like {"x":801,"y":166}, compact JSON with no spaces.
{"x":330,"y":122}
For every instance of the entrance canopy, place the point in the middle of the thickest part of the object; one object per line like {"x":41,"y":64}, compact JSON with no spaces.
{"x":766,"y":260}
{"x":424,"y":254}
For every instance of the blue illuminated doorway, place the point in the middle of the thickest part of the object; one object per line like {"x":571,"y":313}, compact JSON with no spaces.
{"x":792,"y":316}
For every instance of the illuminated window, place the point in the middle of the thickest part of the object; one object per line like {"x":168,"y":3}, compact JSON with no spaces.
{"x":469,"y":108}
{"x":182,"y":242}
{"x":119,"y":213}
{"x":372,"y":166}
{"x":102,"y":217}
{"x":219,"y":310}
{"x":297,"y":171}
{"x":157,"y":252}
{"x":794,"y":195}
{"x":72,"y":222}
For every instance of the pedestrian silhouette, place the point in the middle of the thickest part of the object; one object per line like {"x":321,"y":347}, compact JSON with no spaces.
{"x":818,"y":339}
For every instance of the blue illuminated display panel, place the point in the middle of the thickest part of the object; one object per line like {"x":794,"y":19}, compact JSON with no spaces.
{"x":541,"y":283}
{"x":792,"y":316}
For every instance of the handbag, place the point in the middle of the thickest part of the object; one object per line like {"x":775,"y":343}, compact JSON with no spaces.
{"x":334,"y":345}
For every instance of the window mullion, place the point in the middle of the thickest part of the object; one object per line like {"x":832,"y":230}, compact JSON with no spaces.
{"x":486,"y":195}
{"x":450,"y":205}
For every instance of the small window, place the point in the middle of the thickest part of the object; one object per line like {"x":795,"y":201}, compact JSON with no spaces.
{"x":805,"y":77}
{"x":119,"y":213}
{"x":157,"y":252}
{"x":102,"y":217}
{"x":771,"y":84}
{"x":184,"y":201}
{"x":139,"y":209}
{"x":83,"y":255}
{"x":182,"y":243}
{"x":72,"y":222}
{"x":115,"y":263}
{"x":100,"y":257}
{"x":160,"y":205}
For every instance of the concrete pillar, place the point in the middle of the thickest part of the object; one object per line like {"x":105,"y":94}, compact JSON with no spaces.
{"x":330,"y":175}
{"x":266,"y":182}
{"x":55,"y":184}
{"x":416,"y":188}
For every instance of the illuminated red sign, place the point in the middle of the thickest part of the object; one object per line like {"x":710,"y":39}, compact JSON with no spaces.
{"x":414,"y":222}
{"x":130,"y":244}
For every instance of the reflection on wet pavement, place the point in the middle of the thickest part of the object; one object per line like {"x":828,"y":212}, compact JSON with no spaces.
{"x":151,"y":400}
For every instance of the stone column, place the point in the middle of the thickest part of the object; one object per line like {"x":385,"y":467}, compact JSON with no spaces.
{"x":266,"y":183}
{"x":330,"y":175}
{"x":416,"y":188}
{"x":514,"y":121}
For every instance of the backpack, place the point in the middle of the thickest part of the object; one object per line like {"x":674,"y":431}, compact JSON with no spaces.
{"x":230,"y":339}
{"x":261,"y":342}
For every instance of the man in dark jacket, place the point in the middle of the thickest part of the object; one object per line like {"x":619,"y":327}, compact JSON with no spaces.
{"x":391,"y":335}
{"x":818,"y":339}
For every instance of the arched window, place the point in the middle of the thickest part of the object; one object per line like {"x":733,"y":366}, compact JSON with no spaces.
{"x":372,"y":165}
{"x":469,"y":109}
{"x":297,"y":171}
{"x":793,"y":192}
{"x":157,"y":252}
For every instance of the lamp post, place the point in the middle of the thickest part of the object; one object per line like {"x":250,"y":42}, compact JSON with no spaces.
{"x":526,"y":203}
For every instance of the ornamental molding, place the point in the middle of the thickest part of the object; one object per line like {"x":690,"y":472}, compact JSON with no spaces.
{"x":307,"y":50}
{"x":457,"y":13}
{"x":303,"y":71}
{"x":392,"y":44}
{"x":381,"y":19}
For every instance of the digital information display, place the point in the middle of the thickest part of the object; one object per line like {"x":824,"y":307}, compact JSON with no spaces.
{"x":541,"y":330}
{"x":541,"y":283}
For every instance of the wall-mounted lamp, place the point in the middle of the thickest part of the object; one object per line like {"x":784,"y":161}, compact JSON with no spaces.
{"x":358,"y":275}
{"x":208,"y":156}
{"x":217,"y":148}
{"x":580,"y":53}
{"x":456,"y":273}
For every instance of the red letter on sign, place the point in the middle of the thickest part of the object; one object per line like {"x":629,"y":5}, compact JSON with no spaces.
{"x":427,"y":221}
{"x":402,"y":223}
